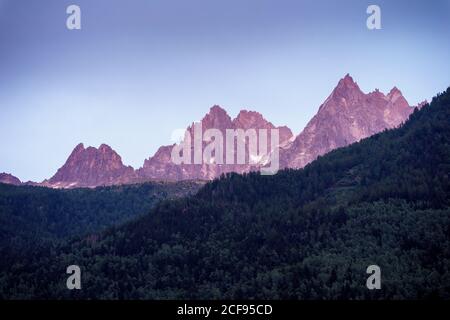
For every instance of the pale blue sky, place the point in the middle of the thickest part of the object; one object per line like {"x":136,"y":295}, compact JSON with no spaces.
{"x":140,"y":69}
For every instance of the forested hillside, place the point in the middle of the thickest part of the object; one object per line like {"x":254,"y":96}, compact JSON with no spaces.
{"x":34,"y":217}
{"x":301,"y":234}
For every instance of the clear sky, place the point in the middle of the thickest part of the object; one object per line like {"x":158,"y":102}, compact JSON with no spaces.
{"x":137,"y":70}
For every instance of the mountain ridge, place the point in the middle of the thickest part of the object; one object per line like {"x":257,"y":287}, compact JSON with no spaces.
{"x":346,"y":116}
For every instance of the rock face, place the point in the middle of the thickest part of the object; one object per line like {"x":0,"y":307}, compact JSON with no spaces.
{"x":347,"y":115}
{"x":91,"y":167}
{"x":9,"y":179}
{"x":161,"y":166}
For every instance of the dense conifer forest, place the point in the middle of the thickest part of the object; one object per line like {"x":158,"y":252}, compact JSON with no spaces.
{"x":35,"y":217}
{"x":300,"y":234}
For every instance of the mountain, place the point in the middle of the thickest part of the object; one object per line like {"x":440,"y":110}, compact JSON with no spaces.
{"x":305,"y":233}
{"x":9,"y":179}
{"x":347,"y":116}
{"x":161,"y":166}
{"x":91,"y":167}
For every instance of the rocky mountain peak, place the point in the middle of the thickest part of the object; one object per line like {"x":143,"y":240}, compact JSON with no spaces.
{"x":394,"y":94}
{"x":347,"y":83}
{"x":91,"y":167}
{"x":79,"y":148}
{"x":9,"y":179}
{"x":251,"y":119}
{"x":347,"y":115}
{"x":216,"y":118}
{"x":105,"y":148}
{"x":345,"y":93}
